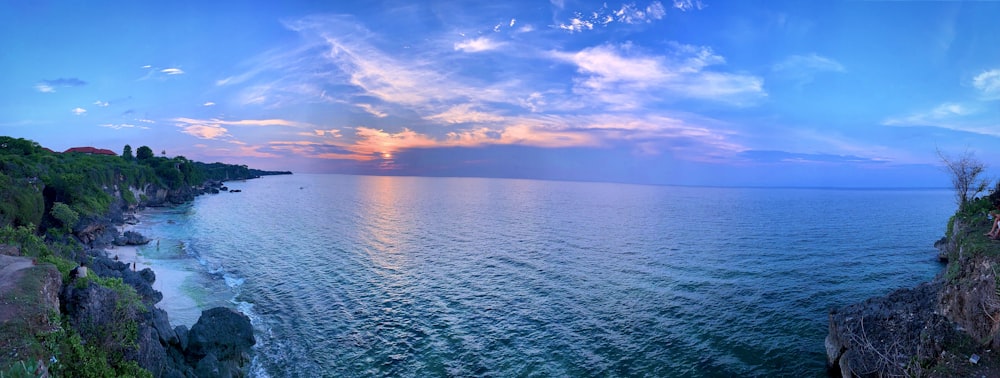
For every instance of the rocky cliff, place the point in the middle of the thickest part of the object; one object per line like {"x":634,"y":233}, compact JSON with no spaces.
{"x":217,"y":346}
{"x":946,"y":327}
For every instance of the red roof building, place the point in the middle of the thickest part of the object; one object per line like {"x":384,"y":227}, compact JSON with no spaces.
{"x":91,"y":151}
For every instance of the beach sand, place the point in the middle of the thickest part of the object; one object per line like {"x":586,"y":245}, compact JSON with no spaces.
{"x":170,"y":276}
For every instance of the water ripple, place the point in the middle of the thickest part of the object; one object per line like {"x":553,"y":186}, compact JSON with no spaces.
{"x":403,"y":276}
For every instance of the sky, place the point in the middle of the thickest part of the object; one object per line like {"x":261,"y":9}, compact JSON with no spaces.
{"x":678,"y":92}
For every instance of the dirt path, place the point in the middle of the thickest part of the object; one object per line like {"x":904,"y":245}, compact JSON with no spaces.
{"x":11,"y":270}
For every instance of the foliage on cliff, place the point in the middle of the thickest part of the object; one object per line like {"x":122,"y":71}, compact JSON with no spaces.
{"x":47,"y":199}
{"x":34,"y":179}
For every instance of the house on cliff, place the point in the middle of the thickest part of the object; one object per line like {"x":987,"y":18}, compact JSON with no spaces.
{"x":91,"y":151}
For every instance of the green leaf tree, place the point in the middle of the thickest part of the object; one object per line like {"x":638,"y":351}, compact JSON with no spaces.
{"x":127,"y":153}
{"x":144,"y":153}
{"x":65,"y":214}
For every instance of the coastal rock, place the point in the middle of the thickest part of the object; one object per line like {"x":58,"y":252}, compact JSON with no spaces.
{"x":131,"y":238}
{"x":888,"y":336}
{"x":223,"y":333}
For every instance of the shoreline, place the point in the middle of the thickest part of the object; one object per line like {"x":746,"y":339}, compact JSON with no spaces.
{"x":181,"y":307}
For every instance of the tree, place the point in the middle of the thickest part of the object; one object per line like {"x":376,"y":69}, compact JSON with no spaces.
{"x":144,"y":153}
{"x":67,"y":216}
{"x":127,"y":153}
{"x":965,"y":172}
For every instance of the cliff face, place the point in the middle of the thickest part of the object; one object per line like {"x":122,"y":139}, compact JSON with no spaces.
{"x":219,"y":343}
{"x":935,"y":329}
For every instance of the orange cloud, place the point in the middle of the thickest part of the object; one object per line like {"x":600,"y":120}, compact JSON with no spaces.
{"x":205,"y":131}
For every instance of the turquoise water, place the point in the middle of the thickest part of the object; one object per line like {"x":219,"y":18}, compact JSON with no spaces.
{"x":405,"y":276}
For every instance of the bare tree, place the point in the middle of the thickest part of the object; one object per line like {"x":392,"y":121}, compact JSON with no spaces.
{"x":965,"y":172}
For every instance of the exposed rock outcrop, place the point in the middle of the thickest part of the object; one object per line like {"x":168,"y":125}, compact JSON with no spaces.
{"x":131,"y":238}
{"x":911,"y":330}
{"x":219,"y":343}
{"x":217,"y":346}
{"x":892,"y":335}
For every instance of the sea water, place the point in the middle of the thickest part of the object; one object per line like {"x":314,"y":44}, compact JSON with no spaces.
{"x":418,"y":277}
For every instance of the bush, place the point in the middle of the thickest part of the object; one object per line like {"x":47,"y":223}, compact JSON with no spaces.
{"x":64,"y":214}
{"x":24,"y":237}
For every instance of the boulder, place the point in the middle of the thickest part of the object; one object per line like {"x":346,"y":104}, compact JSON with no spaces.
{"x":222,"y":332}
{"x":885,"y":336}
{"x":219,"y":343}
{"x":131,"y":238}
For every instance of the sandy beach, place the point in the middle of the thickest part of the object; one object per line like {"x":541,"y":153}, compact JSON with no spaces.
{"x":170,"y":277}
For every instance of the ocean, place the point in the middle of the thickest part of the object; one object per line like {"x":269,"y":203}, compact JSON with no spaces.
{"x":357,"y":276}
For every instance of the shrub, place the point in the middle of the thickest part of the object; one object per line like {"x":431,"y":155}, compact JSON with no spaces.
{"x":64,"y":214}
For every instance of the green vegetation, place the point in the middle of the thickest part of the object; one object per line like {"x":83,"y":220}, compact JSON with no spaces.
{"x":33,"y":180}
{"x":65,"y":215}
{"x":44,"y":197}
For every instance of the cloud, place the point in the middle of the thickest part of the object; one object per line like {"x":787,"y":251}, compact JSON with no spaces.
{"x":647,"y":135}
{"x":477,"y":45}
{"x":942,"y":115}
{"x":102,"y":104}
{"x":172,"y":71}
{"x":803,"y":68}
{"x":988,"y":83}
{"x":119,"y":126}
{"x":464,"y":114}
{"x":686,"y":5}
{"x":627,"y":13}
{"x":371,"y":110}
{"x":764,"y":156}
{"x":49,"y":86}
{"x":952,"y":116}
{"x":209,"y":103}
{"x":205,"y":131}
{"x":625,"y":79}
{"x":79,"y":111}
{"x":244,"y":122}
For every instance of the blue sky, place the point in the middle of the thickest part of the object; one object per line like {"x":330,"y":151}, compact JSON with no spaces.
{"x":760,"y":93}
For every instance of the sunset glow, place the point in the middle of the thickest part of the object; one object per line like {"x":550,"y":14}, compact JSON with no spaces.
{"x":689,"y":92}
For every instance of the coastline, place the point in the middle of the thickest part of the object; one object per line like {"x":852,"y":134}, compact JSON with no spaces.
{"x":181,"y":307}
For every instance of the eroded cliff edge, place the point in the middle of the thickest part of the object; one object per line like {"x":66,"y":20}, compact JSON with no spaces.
{"x":944,"y":328}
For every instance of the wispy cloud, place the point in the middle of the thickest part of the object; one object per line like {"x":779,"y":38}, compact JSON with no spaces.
{"x":627,"y":13}
{"x":204,"y":131}
{"x":624,"y":78}
{"x":371,"y":110}
{"x":119,"y":126}
{"x":102,"y":104}
{"x":477,"y":45}
{"x":79,"y":111}
{"x":172,"y":71}
{"x":464,"y":113}
{"x":49,"y":86}
{"x":686,"y":5}
{"x":209,"y":103}
{"x":988,"y":83}
{"x":952,"y":116}
{"x":803,"y":69}
{"x":243,"y":122}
